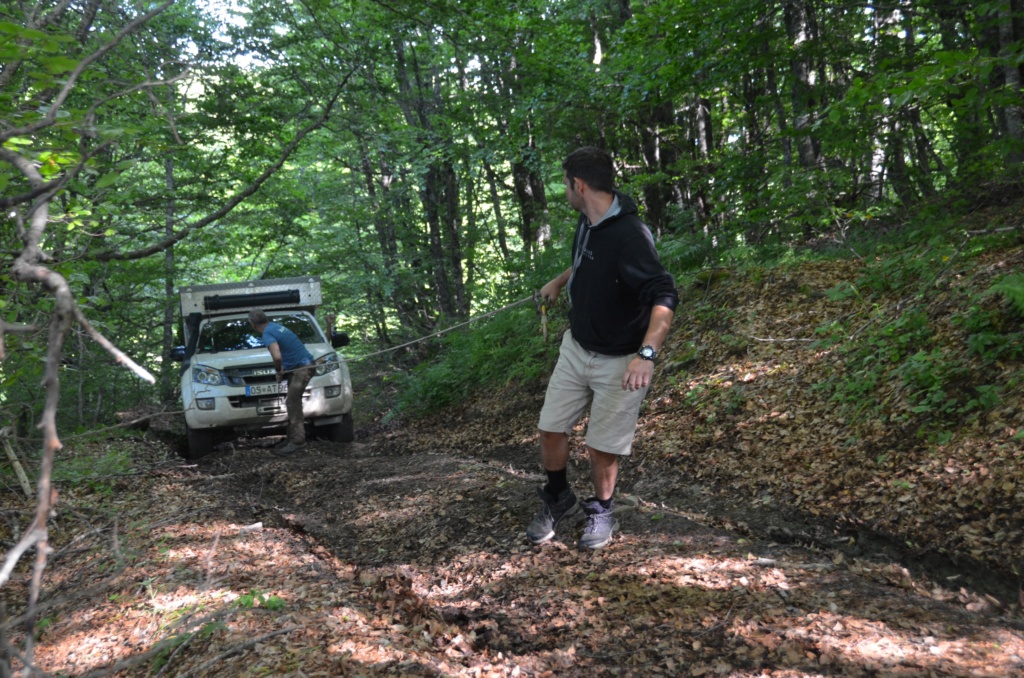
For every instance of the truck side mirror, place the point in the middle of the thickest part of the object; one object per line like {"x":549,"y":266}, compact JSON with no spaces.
{"x":178,"y":354}
{"x":339,"y":339}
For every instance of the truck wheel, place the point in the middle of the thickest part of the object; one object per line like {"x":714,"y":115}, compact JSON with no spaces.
{"x":342,"y":432}
{"x":200,"y":443}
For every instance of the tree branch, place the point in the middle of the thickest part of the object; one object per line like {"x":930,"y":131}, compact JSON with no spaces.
{"x":72,"y":78}
{"x":45,"y":188}
{"x":8,"y":328}
{"x":28,"y":540}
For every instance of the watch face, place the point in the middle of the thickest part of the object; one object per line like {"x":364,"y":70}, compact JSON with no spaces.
{"x":647,"y":352}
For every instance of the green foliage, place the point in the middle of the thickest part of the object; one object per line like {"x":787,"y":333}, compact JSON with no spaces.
{"x":506,"y":349}
{"x":43,"y":624}
{"x":167,"y":648}
{"x":928,"y":376}
{"x":1012,"y":288}
{"x":687,"y":251}
{"x":389,"y":200}
{"x":95,"y":467}
{"x":896,"y":364}
{"x":256,"y":598}
{"x":991,"y":335}
{"x":844,"y":290}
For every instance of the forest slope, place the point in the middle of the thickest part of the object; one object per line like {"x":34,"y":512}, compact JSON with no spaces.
{"x":819,"y":486}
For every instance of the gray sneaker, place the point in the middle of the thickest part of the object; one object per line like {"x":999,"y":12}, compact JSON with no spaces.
{"x":554,"y":510}
{"x":599,"y":526}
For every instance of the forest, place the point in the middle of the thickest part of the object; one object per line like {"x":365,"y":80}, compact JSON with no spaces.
{"x":409,"y":154}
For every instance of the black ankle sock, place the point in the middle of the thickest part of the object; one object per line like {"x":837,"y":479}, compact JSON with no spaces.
{"x":605,"y":503}
{"x":557,"y":481}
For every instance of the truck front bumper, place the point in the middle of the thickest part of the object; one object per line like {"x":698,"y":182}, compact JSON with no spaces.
{"x":219,"y":408}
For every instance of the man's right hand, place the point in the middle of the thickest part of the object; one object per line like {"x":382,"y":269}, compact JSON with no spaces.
{"x":550,"y":291}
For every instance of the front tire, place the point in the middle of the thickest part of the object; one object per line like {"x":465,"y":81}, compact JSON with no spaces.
{"x":342,"y":432}
{"x":199,"y":443}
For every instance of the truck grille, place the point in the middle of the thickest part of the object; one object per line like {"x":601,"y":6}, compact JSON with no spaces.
{"x":255,"y":374}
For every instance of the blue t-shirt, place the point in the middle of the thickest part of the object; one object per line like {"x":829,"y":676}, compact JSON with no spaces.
{"x":293,"y":351}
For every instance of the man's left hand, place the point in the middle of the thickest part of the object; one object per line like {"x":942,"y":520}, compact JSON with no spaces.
{"x":638,"y":374}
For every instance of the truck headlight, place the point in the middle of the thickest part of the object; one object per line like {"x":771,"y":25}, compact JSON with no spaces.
{"x":201,"y":374}
{"x":327,"y":363}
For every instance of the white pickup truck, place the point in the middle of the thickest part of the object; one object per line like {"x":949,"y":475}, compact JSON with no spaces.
{"x":227,"y":376}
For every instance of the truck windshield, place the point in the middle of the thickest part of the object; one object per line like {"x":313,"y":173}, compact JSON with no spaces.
{"x":235,"y":334}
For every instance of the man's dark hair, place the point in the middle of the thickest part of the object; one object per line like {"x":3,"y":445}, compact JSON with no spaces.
{"x":258,"y":317}
{"x":593,"y":166}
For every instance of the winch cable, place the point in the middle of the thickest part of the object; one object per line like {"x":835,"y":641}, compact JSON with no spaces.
{"x":439,"y":333}
{"x":542,"y":304}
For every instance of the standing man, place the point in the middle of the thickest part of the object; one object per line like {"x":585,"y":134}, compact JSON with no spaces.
{"x":621,"y":303}
{"x":290,"y":355}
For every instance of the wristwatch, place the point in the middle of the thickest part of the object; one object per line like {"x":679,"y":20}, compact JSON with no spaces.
{"x":647,"y":352}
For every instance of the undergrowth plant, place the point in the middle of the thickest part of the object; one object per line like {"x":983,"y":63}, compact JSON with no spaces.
{"x":932,"y":356}
{"x":508,"y":348}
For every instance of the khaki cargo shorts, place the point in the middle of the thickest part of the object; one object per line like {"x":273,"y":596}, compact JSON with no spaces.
{"x":582,"y":377}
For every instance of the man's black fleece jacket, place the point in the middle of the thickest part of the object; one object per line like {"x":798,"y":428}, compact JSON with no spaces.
{"x":616,"y":282}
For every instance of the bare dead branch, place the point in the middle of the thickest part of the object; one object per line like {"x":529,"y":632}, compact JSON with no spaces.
{"x":60,"y":602}
{"x":118,"y":354}
{"x":128,"y":663}
{"x":9,"y":328}
{"x":209,"y":561}
{"x":174,"y":654}
{"x":236,"y":649}
{"x":28,"y":540}
{"x":28,"y":669}
{"x":183,"y":625}
{"x":124,"y":424}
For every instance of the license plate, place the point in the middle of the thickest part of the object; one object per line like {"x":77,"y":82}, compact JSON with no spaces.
{"x":266,"y":389}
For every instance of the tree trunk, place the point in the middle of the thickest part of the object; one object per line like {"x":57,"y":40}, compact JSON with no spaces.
{"x":1011,"y":75}
{"x":167,"y":386}
{"x":499,"y":215}
{"x":783,"y":124}
{"x":897,"y":162}
{"x":658,"y":159}
{"x":797,"y":15}
{"x":912,"y":114}
{"x":420,"y":99}
{"x":533,"y":205}
{"x":453,"y":242}
{"x":431,"y":198}
{"x":704,"y":134}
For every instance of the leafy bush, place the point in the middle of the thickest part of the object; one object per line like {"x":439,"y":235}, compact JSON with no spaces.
{"x":1011,"y":287}
{"x":506,"y":349}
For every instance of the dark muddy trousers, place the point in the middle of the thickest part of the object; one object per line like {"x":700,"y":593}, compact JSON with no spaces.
{"x":297,"y":383}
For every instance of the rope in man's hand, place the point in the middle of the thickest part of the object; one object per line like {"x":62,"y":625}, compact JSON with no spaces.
{"x":542,"y":306}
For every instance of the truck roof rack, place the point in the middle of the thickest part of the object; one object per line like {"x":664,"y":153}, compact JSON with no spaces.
{"x":270,"y":294}
{"x":220,"y":302}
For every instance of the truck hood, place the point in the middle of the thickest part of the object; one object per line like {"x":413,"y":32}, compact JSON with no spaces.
{"x":250,"y":357}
